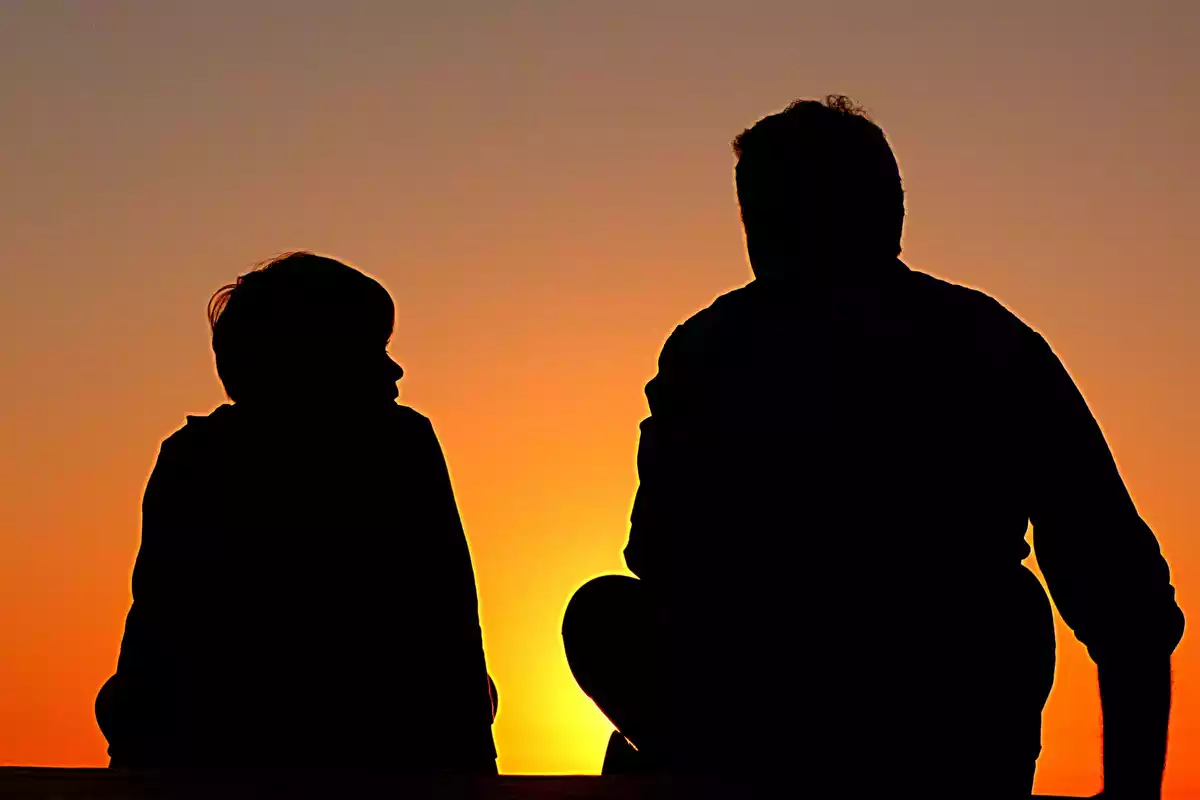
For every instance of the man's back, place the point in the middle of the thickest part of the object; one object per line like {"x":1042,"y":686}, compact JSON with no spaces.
{"x":836,"y":481}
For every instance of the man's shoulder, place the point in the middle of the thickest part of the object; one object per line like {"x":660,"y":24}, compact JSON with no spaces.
{"x":931,"y":288}
{"x":728,"y":312}
{"x":948,"y":311}
{"x":964,"y":308}
{"x":940,"y":298}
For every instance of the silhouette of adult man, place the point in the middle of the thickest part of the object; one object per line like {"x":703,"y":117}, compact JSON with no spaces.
{"x":303,"y":594}
{"x":836,"y":478}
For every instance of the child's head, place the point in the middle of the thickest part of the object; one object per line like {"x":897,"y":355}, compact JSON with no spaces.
{"x":303,"y":327}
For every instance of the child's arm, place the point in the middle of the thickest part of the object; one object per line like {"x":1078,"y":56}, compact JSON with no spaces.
{"x":468,"y":702}
{"x":132,"y":708}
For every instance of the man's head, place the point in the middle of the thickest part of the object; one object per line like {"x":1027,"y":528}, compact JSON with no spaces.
{"x":304,"y":328}
{"x":817,"y":181}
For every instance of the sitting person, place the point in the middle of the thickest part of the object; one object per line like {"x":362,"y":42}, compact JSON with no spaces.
{"x":303,"y":594}
{"x":836,"y":477}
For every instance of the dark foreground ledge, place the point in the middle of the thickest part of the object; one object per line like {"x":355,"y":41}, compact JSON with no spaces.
{"x":52,"y":783}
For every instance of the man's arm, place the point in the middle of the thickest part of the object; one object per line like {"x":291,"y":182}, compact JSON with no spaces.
{"x":661,"y":461}
{"x":1135,"y":695}
{"x":1105,"y":571}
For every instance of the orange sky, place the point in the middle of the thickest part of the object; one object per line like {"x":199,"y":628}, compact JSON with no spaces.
{"x":545,"y":187}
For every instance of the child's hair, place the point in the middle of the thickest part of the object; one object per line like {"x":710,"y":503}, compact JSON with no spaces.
{"x":294,"y":314}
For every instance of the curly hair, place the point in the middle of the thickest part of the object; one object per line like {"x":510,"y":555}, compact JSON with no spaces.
{"x":821,"y":168}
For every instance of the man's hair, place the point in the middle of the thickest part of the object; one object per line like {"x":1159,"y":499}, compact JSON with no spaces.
{"x":290,"y":314}
{"x":820,"y":174}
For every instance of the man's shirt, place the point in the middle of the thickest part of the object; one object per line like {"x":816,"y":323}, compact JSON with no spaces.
{"x":866,"y":450}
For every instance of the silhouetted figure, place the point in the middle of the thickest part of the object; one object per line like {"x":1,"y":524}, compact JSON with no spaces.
{"x":837,"y":475}
{"x":303,"y":595}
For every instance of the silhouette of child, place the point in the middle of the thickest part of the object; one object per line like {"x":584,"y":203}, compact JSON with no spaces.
{"x":303,"y":594}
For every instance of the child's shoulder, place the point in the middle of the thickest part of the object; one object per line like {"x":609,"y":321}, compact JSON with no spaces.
{"x":199,"y":428}
{"x":222,"y":416}
{"x":407,"y":415}
{"x":225,"y":425}
{"x":410,"y":424}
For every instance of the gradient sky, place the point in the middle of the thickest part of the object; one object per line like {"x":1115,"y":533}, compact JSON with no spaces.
{"x":546,"y":189}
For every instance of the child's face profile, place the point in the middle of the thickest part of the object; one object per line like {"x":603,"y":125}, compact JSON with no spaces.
{"x":353,"y":370}
{"x":305,"y":330}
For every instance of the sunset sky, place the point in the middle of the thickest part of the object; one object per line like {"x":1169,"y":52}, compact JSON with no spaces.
{"x":545,"y":187}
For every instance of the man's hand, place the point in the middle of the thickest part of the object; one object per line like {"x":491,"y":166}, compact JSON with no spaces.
{"x":1135,"y":696}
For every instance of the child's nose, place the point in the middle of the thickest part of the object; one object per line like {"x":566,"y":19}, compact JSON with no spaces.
{"x":395,"y":371}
